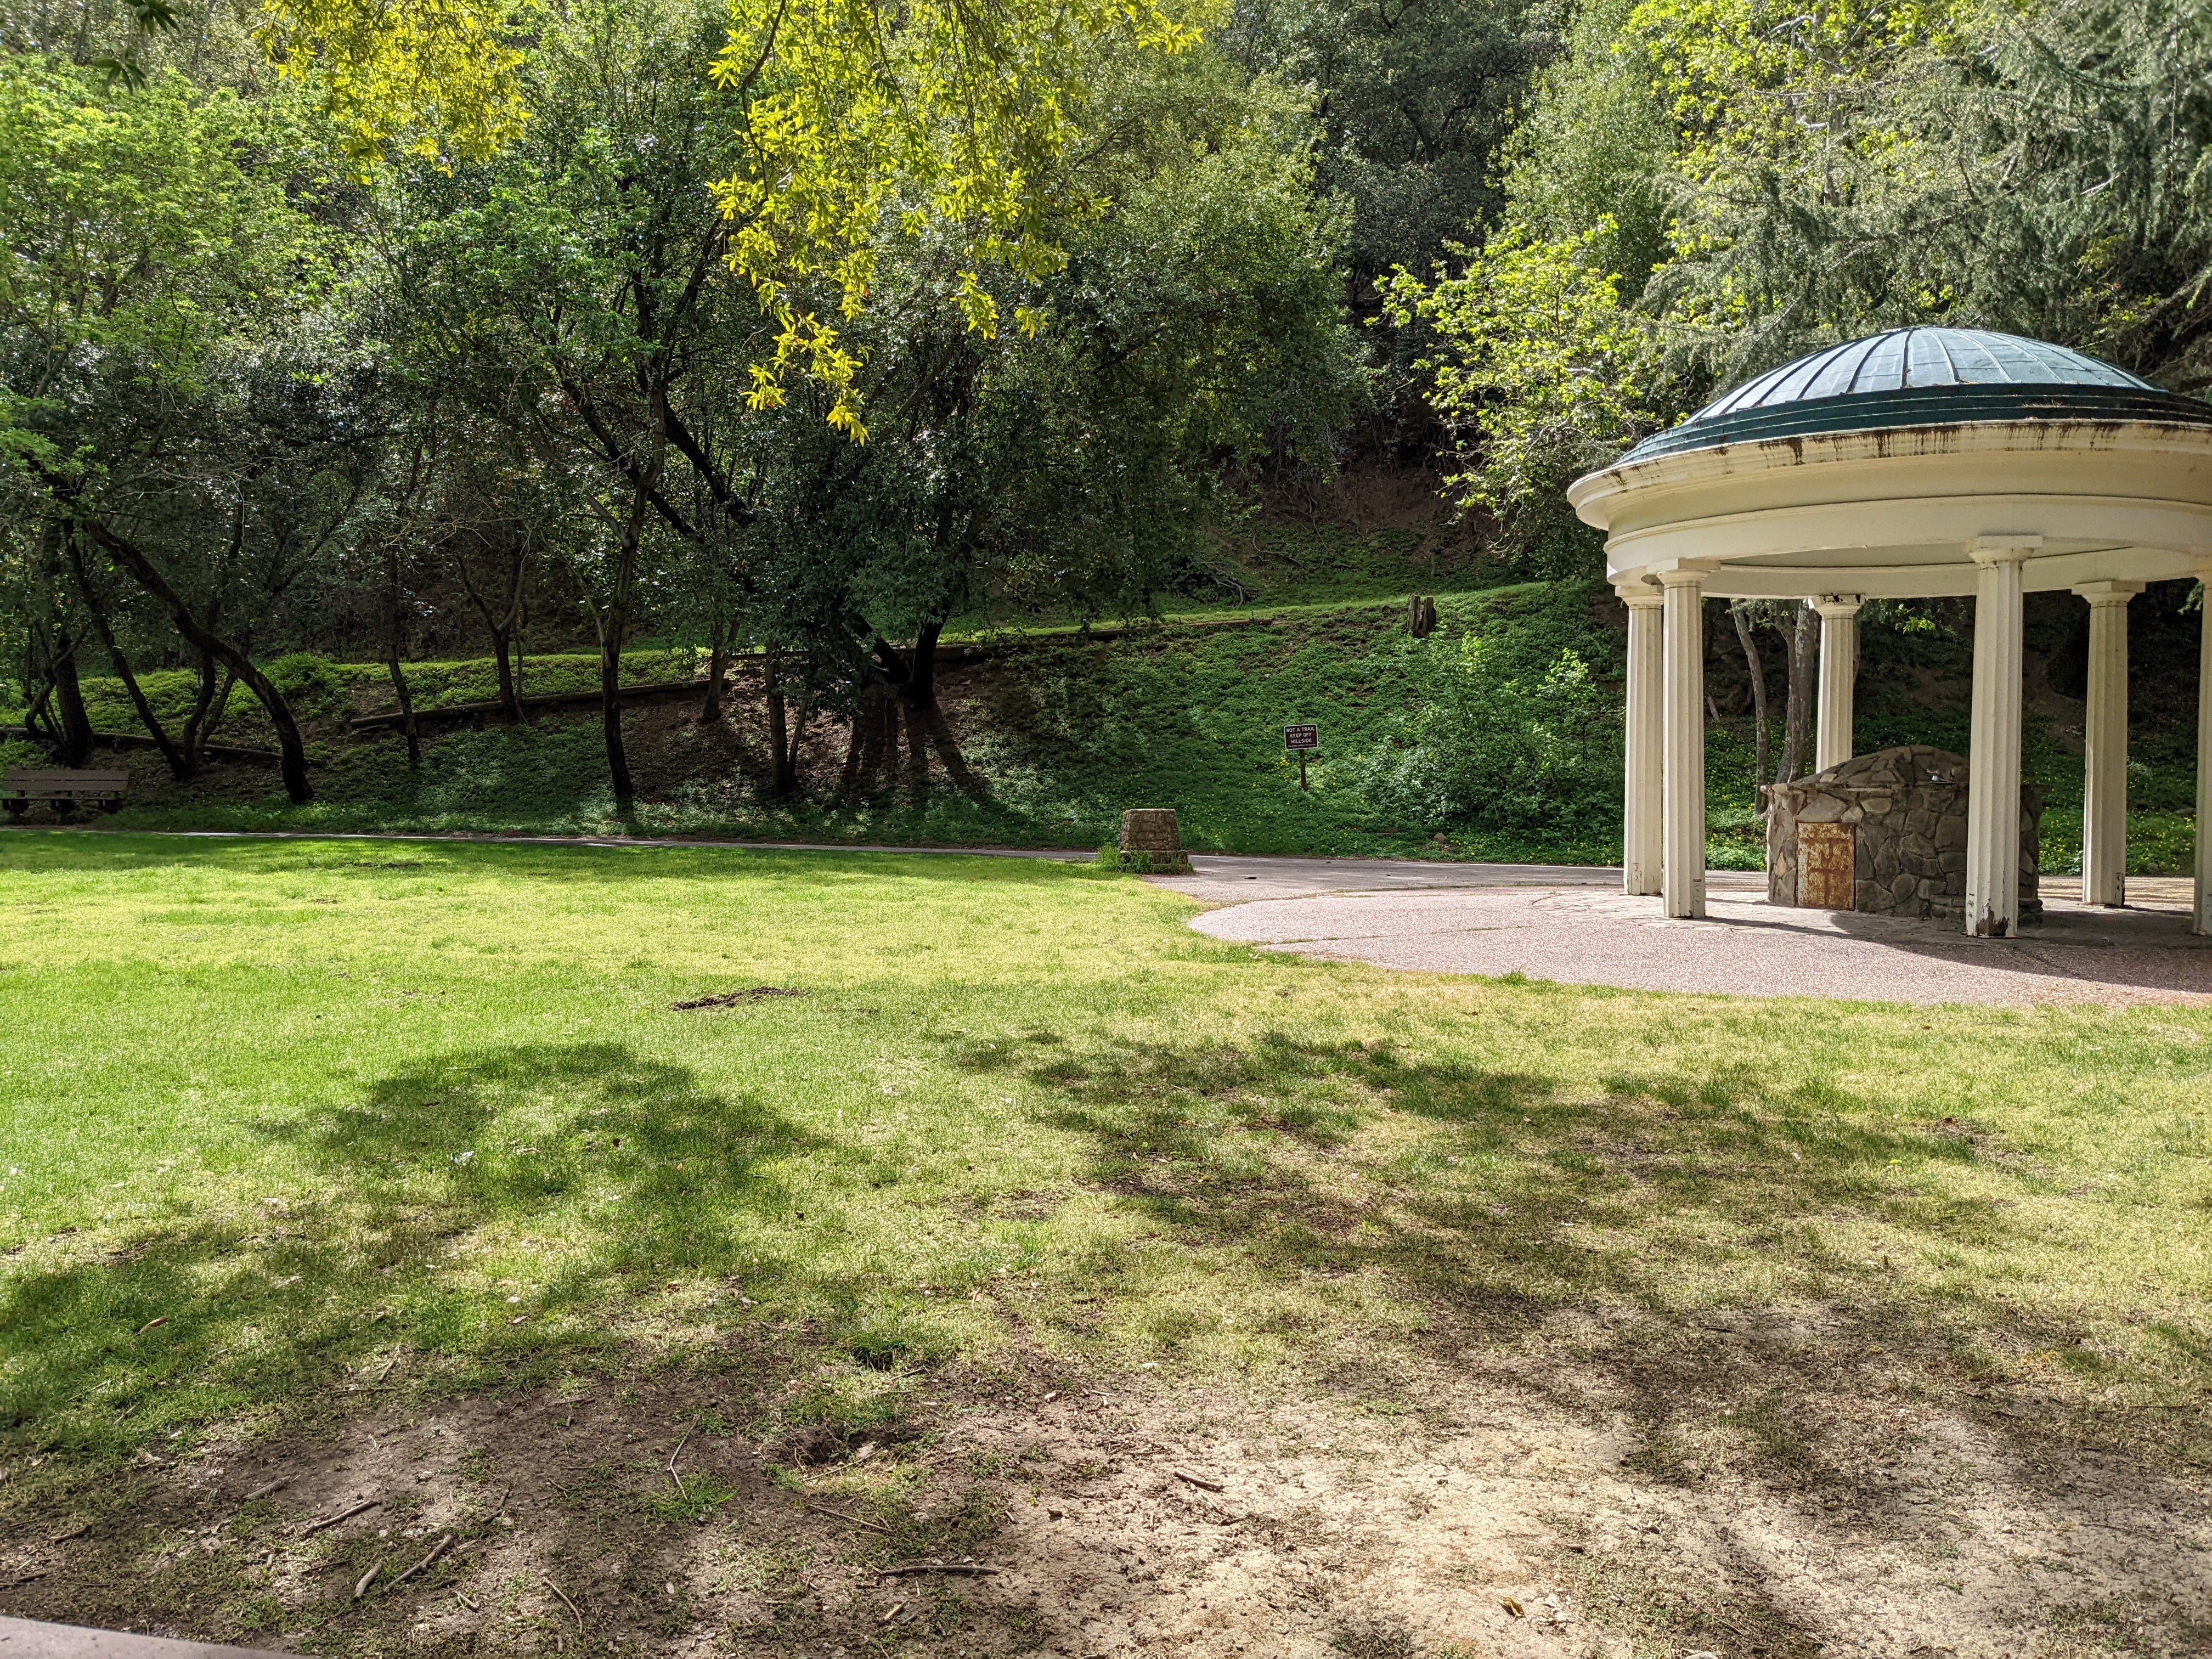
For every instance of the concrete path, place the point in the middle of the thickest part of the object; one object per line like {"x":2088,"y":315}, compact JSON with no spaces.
{"x":1238,"y":879}
{"x":28,"y":1638}
{"x":1747,"y":947}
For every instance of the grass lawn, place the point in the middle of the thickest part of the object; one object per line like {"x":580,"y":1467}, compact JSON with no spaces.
{"x":988,"y":1205}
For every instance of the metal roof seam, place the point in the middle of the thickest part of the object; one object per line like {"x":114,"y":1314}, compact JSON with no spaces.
{"x":1937,"y":340}
{"x":1809,"y":371}
{"x":1865,"y":357}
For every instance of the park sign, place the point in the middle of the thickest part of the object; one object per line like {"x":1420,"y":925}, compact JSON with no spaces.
{"x":1302,"y":740}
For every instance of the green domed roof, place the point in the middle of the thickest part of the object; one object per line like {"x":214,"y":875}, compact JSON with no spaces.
{"x":1924,"y":377}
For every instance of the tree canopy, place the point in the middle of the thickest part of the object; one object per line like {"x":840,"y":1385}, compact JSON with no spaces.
{"x":1728,"y":184}
{"x":809,"y":328}
{"x":805,"y":327}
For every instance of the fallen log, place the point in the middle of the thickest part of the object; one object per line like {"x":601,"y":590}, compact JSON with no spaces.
{"x":952,"y":654}
{"x":141,"y":740}
{"x":424,"y":714}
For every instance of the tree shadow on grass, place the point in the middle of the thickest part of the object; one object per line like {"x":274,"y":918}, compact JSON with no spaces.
{"x":622,"y":1167}
{"x":1732,"y":1264}
{"x":626,"y":1178}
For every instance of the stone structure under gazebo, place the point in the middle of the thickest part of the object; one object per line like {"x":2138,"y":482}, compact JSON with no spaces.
{"x":1918,"y":464}
{"x":1885,"y":835}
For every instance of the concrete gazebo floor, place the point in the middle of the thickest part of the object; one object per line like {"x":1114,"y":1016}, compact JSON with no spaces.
{"x":1579,"y":935}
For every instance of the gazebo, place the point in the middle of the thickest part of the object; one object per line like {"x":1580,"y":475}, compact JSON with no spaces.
{"x":1917,"y":464}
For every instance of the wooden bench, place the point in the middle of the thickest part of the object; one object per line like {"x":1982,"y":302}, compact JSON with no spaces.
{"x":63,"y":790}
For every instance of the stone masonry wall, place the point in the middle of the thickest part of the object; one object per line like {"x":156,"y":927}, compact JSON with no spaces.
{"x":1905,"y":810}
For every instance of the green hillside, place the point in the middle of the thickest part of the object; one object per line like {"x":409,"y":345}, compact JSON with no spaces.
{"x":1064,"y":729}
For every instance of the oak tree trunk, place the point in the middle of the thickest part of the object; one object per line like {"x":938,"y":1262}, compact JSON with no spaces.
{"x":921,"y":668}
{"x":615,"y":630}
{"x":510,"y":697}
{"x":292,"y":749}
{"x":407,"y":722}
{"x":395,"y":644}
{"x":718,"y":669}
{"x":197,"y":725}
{"x":1752,"y":660}
{"x":75,"y":747}
{"x":180,"y":767}
{"x":610,"y":719}
{"x":912,"y":680}
{"x":1797,"y":713}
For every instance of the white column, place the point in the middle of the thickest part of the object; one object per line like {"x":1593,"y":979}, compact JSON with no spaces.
{"x":1682,"y":875}
{"x":2104,"y":745}
{"x":1643,"y":818}
{"x":2203,"y":921}
{"x":1993,"y":748}
{"x":1840,"y":669}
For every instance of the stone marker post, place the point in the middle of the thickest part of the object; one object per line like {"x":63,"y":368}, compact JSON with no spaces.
{"x":1151,"y":834}
{"x":1151,"y":830}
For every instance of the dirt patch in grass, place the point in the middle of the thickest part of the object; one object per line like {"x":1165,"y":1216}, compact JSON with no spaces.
{"x":1498,"y":1504}
{"x":733,"y":999}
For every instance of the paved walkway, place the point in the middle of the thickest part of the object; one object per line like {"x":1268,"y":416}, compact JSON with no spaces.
{"x":28,"y":1638}
{"x":1579,"y":935}
{"x":1237,"y":878}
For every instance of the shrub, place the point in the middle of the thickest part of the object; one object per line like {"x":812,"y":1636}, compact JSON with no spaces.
{"x":1489,"y":747}
{"x":1112,"y":858}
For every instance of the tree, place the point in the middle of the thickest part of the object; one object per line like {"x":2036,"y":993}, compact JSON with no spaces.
{"x":1799,"y":623}
{"x":494,"y":526}
{"x":165,"y":369}
{"x":1417,"y":98}
{"x":219,"y":507}
{"x":836,"y":119}
{"x":1728,"y":184}
{"x":570,"y":291}
{"x":2039,"y":171}
{"x":1197,"y":324}
{"x":1591,"y":158}
{"x":46,"y":642}
{"x":1540,"y":373}
{"x":1741,"y":614}
{"x":100,"y":608}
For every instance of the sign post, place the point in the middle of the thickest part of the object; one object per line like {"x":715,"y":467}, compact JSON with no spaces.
{"x":1302,"y":740}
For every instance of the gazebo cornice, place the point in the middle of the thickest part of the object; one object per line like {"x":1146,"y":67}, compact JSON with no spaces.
{"x":1891,"y":513}
{"x":1948,"y":440}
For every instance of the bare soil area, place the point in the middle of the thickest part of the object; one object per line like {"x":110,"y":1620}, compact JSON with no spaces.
{"x":1479,"y":1505}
